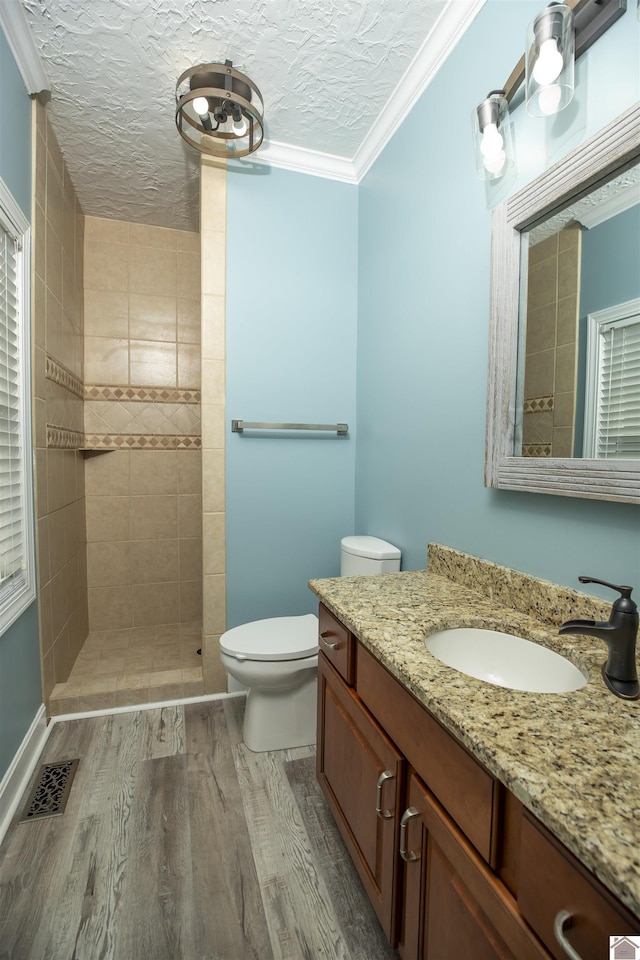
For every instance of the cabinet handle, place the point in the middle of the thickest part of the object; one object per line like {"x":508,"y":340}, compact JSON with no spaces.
{"x":327,"y":643}
{"x":383,"y":814}
{"x":562,"y":921}
{"x":408,"y":855}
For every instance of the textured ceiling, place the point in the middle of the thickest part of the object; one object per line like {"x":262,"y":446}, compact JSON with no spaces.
{"x":326,"y":68}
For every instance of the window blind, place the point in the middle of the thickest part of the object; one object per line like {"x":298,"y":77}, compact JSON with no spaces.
{"x":12,"y":552}
{"x":618,"y":407}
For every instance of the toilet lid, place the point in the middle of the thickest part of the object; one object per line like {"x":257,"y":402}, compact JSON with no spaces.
{"x":278,"y":638}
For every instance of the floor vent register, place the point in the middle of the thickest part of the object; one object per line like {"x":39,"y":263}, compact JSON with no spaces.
{"x":51,"y":792}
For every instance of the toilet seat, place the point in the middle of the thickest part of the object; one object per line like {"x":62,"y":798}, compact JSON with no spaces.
{"x":277,"y":638}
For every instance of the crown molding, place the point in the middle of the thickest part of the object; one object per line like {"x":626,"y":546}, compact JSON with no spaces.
{"x":20,"y":39}
{"x":610,"y":207}
{"x":447,"y":31}
{"x":299,"y":159}
{"x":456,"y":17}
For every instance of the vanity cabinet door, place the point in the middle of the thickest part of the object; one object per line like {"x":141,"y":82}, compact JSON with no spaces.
{"x":360,"y":772}
{"x":552,"y":883}
{"x":453,"y":904}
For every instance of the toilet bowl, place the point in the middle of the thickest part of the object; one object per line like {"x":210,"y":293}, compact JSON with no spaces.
{"x":277,"y":659}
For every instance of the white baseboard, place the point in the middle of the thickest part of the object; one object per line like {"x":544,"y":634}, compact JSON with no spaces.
{"x":132,"y":708}
{"x":17,"y":777}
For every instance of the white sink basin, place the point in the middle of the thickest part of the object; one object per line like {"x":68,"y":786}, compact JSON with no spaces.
{"x":505,"y":660}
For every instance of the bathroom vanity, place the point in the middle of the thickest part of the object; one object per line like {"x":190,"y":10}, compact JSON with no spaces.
{"x":476,"y":816}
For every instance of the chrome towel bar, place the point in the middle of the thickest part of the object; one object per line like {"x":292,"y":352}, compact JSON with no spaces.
{"x":237,"y":426}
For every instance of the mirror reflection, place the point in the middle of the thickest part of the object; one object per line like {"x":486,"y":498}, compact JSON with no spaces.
{"x":579,"y":328}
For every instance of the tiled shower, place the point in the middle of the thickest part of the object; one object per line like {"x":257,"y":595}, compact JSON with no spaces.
{"x":118,"y":432}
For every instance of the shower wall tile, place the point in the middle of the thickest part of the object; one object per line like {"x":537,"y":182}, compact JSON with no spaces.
{"x":551,"y":344}
{"x":213,"y":198}
{"x":142,"y":286}
{"x":57,"y":330}
{"x":146,"y":492}
{"x":155,"y":561}
{"x":191,"y":593}
{"x":152,"y":362}
{"x":156,"y":603}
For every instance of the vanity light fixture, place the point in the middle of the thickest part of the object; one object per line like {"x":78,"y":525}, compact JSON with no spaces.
{"x":550,"y":60}
{"x":560,"y":34}
{"x":492,"y":136}
{"x":219,"y":110}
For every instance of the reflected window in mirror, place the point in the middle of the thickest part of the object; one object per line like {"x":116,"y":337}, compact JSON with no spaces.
{"x":578,"y":384}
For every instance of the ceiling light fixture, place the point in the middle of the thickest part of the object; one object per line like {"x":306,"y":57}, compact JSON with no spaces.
{"x":557,"y":37}
{"x":219,"y":110}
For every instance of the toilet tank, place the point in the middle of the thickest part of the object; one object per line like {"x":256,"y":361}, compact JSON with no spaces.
{"x":367,"y":555}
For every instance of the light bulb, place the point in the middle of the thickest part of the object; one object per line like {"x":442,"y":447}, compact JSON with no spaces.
{"x":492,"y":142}
{"x":240,"y":127}
{"x":201,"y":106}
{"x":549,"y":63}
{"x":549,"y":99}
{"x":495,"y":164}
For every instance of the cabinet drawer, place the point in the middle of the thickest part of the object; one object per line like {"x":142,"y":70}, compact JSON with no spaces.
{"x":337,"y":644}
{"x":551,"y":880}
{"x":462,"y":786}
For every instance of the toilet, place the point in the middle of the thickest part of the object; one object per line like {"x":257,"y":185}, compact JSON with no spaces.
{"x":277,"y":659}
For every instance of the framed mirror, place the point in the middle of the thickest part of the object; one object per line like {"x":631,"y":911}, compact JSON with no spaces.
{"x":563,"y":399}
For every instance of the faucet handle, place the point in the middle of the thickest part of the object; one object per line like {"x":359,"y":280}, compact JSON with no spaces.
{"x":625,"y":603}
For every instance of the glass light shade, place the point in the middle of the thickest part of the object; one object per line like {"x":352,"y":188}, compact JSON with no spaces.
{"x":550,"y":61}
{"x":492,"y":137}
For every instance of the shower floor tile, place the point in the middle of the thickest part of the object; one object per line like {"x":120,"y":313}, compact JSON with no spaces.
{"x":127,"y":667}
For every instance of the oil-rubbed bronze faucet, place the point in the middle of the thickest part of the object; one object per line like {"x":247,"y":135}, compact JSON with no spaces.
{"x":619,"y":633}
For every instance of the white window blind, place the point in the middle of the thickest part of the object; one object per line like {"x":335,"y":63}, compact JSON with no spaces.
{"x":16,"y":513}
{"x":612,"y":395}
{"x":12,"y":561}
{"x":618,"y":411}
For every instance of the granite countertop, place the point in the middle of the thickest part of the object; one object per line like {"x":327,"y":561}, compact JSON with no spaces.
{"x":573,"y":759}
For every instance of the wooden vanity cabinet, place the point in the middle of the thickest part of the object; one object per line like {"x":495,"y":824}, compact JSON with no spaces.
{"x":452,"y":862}
{"x":361,"y":773}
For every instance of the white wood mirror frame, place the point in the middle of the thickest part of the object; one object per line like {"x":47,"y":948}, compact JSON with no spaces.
{"x":614,"y":148}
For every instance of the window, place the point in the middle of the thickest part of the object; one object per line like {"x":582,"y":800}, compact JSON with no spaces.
{"x":17,"y":566}
{"x":612,"y":408}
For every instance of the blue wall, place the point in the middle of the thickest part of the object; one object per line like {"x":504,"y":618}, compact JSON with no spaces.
{"x":609,"y":274}
{"x":291,"y":357}
{"x":423,"y":308}
{"x":20,"y":688}
{"x":610,"y":262}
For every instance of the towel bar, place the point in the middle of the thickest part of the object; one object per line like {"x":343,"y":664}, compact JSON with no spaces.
{"x":237,"y":426}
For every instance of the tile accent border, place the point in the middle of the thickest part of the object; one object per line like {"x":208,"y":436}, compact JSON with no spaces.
{"x":63,"y":377}
{"x":140,"y":394}
{"x":141,"y":441}
{"x":537,"y":405}
{"x":536,"y":449}
{"x":62,"y":439}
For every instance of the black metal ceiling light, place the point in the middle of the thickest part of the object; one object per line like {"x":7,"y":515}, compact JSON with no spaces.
{"x":219,"y":110}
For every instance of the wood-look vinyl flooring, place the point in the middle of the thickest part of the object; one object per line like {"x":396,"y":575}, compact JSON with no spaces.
{"x":179,"y":843}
